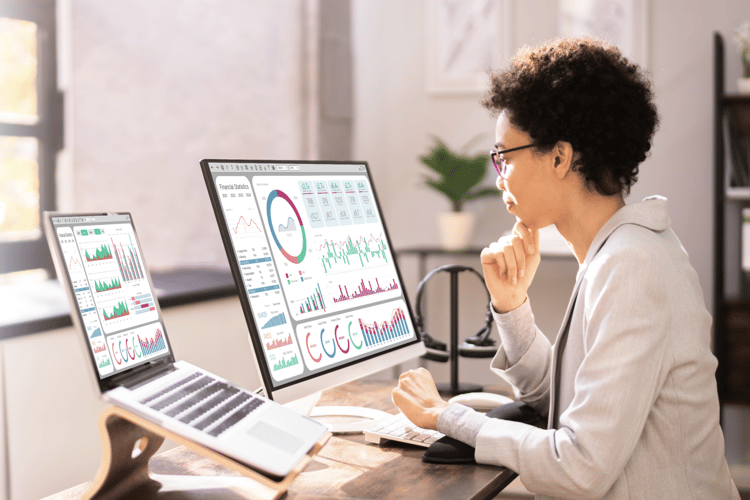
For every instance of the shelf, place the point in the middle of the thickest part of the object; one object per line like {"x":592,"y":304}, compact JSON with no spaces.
{"x":731,"y":329}
{"x":735,"y":99}
{"x":738,"y":193}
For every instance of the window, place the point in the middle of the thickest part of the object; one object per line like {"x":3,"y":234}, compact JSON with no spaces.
{"x":31,"y":131}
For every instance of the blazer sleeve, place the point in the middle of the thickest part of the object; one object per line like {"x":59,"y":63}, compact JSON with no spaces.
{"x":625,"y":336}
{"x":529,"y":377}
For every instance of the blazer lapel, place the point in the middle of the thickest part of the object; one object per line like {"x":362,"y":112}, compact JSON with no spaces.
{"x":560,"y":341}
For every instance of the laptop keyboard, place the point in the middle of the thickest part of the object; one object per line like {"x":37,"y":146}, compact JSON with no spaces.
{"x":204,"y":403}
{"x":170,"y":388}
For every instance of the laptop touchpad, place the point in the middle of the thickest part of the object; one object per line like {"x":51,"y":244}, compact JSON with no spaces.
{"x":275,"y":437}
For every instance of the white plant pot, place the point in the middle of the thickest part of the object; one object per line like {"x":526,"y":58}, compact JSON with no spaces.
{"x":743,"y":85}
{"x":456,"y":229}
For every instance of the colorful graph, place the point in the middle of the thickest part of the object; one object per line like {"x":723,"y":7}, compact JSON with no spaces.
{"x":279,"y":343}
{"x":120,"y":310}
{"x":294,"y":259}
{"x":103,"y":286}
{"x":278,"y":320}
{"x":283,"y":363}
{"x":363,"y":290}
{"x":290,"y":226}
{"x":349,"y":252}
{"x":74,"y":264}
{"x":377,"y":333}
{"x":128,"y":262}
{"x":105,"y":363}
{"x":245,"y":227}
{"x":314,"y":302}
{"x":101,"y":348}
{"x":143,"y":303}
{"x":101,"y":253}
{"x":307,"y":342}
{"x":150,"y":346}
{"x":97,"y":333}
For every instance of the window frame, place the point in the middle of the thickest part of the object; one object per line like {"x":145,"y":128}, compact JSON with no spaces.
{"x":34,"y":253}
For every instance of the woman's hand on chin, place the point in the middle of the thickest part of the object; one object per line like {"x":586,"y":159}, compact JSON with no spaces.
{"x":509,"y":266}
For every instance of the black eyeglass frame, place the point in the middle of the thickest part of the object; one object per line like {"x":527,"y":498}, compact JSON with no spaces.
{"x":500,"y":169}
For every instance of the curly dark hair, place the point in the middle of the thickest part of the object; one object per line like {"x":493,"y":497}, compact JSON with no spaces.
{"x":584,"y":92}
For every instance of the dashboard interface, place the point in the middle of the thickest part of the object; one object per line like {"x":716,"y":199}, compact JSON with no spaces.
{"x":115,"y":300}
{"x":316,"y":264}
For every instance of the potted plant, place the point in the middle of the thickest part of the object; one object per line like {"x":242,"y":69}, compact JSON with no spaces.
{"x":459,"y":176}
{"x":742,"y":38}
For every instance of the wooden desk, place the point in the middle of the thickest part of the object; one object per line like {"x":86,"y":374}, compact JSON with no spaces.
{"x":346,"y":468}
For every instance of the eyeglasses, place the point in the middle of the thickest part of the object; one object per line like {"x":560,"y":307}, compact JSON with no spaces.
{"x":499,"y":162}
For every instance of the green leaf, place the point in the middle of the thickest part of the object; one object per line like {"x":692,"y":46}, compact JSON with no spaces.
{"x":481,"y":193}
{"x":458,"y":175}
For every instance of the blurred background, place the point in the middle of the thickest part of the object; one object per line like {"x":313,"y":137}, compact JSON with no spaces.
{"x":108,"y":106}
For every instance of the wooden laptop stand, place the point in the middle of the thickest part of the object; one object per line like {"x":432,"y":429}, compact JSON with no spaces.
{"x":129,"y":441}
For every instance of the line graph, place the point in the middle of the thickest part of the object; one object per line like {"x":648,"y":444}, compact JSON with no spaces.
{"x":74,"y":264}
{"x":358,"y":252}
{"x":364,"y":290}
{"x":378,"y":332}
{"x":289,"y":227}
{"x":246,"y":226}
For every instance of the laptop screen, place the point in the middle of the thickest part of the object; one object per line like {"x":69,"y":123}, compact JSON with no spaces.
{"x":99,"y":260}
{"x":308,"y":244}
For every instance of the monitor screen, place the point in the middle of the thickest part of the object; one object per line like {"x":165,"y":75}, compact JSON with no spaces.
{"x":99,"y":261}
{"x":310,"y":253}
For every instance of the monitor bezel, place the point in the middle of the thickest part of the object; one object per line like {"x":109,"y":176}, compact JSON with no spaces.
{"x":333,"y":376}
{"x":113,"y":381}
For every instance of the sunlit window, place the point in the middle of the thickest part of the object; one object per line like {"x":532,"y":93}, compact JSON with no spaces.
{"x":19,"y":188}
{"x":31,"y":132}
{"x":18,"y":69}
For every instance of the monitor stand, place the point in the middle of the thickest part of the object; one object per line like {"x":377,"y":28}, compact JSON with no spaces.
{"x":340,"y":419}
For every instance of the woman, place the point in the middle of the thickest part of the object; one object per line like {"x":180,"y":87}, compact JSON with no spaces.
{"x":628,"y":386}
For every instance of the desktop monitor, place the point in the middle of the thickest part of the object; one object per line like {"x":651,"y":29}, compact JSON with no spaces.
{"x":319,"y":286}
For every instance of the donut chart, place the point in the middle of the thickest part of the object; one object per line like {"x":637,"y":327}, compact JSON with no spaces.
{"x":294,"y":259}
{"x":323,"y":345}
{"x":307,"y":342}
{"x":336,"y":338}
{"x":358,"y":347}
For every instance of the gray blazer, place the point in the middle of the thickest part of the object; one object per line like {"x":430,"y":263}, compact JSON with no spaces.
{"x":638,"y":411}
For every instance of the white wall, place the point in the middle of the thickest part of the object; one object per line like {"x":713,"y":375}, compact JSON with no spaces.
{"x":395,"y":117}
{"x":158,"y":85}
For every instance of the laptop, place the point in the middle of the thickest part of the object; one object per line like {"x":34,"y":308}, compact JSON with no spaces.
{"x":100,"y":264}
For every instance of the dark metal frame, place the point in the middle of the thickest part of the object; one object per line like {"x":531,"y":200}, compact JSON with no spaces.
{"x":34,"y":254}
{"x":724,"y":228}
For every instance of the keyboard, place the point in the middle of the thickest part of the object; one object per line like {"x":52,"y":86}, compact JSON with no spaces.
{"x":399,"y":428}
{"x":201,"y":401}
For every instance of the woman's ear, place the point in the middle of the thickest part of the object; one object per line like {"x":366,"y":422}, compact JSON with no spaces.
{"x":563,"y":158}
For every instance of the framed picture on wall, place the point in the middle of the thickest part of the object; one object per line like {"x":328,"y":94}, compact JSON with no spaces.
{"x":465,"y":40}
{"x":623,"y":23}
